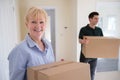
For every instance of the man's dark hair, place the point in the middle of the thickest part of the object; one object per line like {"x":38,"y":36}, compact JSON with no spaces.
{"x":92,"y":14}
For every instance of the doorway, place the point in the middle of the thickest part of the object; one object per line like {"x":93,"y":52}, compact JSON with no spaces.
{"x":50,"y":32}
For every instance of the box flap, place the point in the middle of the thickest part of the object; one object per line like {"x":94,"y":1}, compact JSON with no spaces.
{"x":61,"y":68}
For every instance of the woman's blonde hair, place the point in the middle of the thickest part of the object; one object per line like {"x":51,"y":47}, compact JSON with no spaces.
{"x":35,"y":12}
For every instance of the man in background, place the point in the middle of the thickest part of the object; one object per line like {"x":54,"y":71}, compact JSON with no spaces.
{"x":90,"y":30}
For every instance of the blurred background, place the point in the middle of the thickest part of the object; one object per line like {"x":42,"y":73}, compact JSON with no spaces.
{"x":66,"y":17}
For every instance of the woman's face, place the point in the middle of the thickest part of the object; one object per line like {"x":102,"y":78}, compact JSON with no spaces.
{"x":36,"y":27}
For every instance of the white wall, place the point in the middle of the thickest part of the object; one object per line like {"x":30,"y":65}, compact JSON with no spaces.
{"x":107,"y":10}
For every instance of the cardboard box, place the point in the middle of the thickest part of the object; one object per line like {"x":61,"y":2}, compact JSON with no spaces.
{"x":110,"y":75}
{"x":64,"y":70}
{"x":101,"y":47}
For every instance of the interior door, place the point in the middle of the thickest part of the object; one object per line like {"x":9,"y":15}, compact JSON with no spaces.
{"x":8,"y":35}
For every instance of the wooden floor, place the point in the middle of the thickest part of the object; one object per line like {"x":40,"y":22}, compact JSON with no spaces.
{"x":109,"y":75}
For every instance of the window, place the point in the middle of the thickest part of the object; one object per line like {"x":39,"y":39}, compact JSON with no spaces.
{"x":111,"y":23}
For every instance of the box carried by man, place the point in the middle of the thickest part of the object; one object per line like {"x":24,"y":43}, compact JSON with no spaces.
{"x":64,"y":70}
{"x":101,"y":47}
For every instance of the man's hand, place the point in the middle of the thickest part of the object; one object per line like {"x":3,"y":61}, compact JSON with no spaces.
{"x":84,"y":41}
